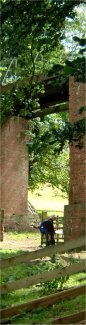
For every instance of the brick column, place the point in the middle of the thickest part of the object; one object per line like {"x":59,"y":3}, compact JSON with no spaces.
{"x":14,"y":167}
{"x":74,"y":213}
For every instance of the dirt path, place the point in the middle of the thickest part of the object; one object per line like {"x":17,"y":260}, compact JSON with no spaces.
{"x":21,"y":244}
{"x":31,"y":243}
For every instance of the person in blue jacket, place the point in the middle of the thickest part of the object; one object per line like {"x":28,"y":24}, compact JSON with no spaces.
{"x":47,"y":228}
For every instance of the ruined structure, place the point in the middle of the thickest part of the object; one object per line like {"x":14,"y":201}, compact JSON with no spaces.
{"x":74,"y":213}
{"x":14,"y":173}
{"x":14,"y":167}
{"x":14,"y":162}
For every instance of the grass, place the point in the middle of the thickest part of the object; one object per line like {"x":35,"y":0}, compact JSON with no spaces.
{"x":34,"y":292}
{"x":47,"y":199}
{"x":20,"y":241}
{"x":6,"y":253}
{"x":66,"y":307}
{"x":22,"y":236}
{"x":23,"y":295}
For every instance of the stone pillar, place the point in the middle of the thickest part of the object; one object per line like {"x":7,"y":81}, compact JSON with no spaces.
{"x":74,"y":213}
{"x":14,"y":167}
{"x":1,"y":224}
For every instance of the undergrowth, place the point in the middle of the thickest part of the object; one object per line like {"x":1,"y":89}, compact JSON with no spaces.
{"x":48,"y":287}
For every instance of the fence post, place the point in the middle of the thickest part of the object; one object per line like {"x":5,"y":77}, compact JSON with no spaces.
{"x":44,"y":216}
{"x":1,"y":224}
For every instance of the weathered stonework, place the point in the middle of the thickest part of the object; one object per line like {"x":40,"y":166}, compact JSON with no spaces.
{"x":14,"y":167}
{"x":74,"y":213}
{"x":18,"y":212}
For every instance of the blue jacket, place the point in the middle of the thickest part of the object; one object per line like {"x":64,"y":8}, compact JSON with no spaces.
{"x":47,"y":226}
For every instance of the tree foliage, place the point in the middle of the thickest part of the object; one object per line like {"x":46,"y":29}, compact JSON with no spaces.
{"x":33,"y":25}
{"x":48,"y":150}
{"x":34,"y":36}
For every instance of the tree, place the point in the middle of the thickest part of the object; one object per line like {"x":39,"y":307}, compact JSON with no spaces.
{"x":48,"y":150}
{"x":32,"y":36}
{"x":29,"y":25}
{"x":74,"y":31}
{"x":49,"y":168}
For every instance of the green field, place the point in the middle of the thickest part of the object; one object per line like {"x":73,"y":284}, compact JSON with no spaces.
{"x":48,"y":199}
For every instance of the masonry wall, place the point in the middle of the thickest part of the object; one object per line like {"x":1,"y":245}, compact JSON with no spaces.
{"x":74,"y":213}
{"x":13,"y":167}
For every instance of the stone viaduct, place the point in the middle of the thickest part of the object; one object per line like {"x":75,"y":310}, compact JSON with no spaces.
{"x":14,"y":170}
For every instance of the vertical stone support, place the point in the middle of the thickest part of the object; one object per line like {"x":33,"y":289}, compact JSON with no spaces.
{"x":74,"y":213}
{"x":1,"y":224}
{"x":14,"y":167}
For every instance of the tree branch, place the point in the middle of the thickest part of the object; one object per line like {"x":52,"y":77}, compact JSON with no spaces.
{"x":33,"y":64}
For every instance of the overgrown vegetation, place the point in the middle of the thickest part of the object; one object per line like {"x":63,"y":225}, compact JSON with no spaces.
{"x":24,"y":270}
{"x":36,"y":291}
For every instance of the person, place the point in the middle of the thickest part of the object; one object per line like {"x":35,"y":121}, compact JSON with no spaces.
{"x":47,"y":228}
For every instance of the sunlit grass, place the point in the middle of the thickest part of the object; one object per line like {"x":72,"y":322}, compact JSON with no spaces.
{"x":20,"y":236}
{"x":48,"y":199}
{"x":5,"y":253}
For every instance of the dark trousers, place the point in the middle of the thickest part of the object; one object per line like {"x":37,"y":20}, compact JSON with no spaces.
{"x":50,"y":239}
